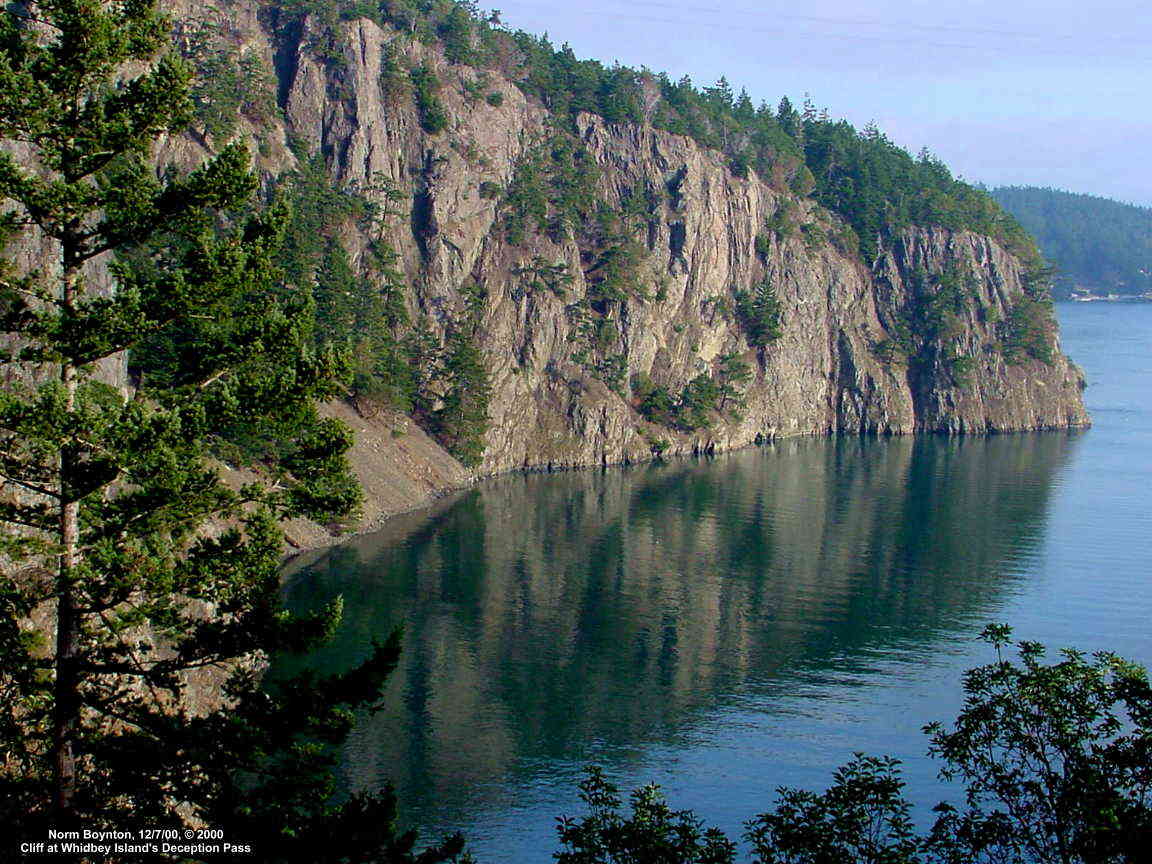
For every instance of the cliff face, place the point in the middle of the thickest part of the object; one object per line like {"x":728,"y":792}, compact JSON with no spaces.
{"x":823,"y":374}
{"x":699,"y":240}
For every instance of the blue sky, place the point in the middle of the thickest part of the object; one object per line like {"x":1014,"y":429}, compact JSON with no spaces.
{"x":1011,"y":92}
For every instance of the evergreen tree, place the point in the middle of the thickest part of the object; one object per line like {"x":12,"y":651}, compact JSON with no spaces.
{"x":456,"y":34}
{"x":108,"y":489}
{"x":731,"y":378}
{"x":337,"y":294}
{"x":808,"y":112}
{"x":760,"y":314}
{"x":744,"y":110}
{"x":461,"y":422}
{"x":720,"y":94}
{"x":788,"y":117}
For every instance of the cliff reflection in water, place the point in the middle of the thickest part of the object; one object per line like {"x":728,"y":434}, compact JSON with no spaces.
{"x":543,"y":613}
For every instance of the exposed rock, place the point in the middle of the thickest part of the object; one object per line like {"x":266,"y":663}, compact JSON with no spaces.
{"x":399,"y":466}
{"x":823,"y":375}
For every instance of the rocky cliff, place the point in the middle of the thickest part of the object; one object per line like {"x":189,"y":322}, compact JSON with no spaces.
{"x":827,"y":371}
{"x":573,"y":330}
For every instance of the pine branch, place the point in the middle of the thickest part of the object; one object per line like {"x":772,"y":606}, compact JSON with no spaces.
{"x":26,"y":485}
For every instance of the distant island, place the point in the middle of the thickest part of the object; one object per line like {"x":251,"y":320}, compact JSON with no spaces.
{"x":1102,"y":249}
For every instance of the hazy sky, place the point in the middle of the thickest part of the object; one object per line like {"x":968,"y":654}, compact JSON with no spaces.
{"x":1052,"y":93}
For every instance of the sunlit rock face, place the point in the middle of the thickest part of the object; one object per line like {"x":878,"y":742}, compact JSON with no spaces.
{"x":822,"y":375}
{"x":697,"y":246}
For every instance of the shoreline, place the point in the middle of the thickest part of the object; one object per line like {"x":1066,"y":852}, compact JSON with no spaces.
{"x":321,"y":539}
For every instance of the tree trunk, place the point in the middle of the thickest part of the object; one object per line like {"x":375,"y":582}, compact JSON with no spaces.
{"x":66,"y":716}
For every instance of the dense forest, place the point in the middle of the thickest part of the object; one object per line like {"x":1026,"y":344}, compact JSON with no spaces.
{"x":1097,"y":245}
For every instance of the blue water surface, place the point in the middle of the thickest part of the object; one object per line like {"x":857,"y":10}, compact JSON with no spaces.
{"x":726,"y":626}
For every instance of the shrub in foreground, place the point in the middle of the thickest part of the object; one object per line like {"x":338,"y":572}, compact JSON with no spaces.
{"x":1055,"y":759}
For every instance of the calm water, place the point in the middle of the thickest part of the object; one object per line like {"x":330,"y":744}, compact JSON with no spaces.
{"x":727,"y":626}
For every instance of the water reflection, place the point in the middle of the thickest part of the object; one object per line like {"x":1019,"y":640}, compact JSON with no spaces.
{"x":548,"y":614}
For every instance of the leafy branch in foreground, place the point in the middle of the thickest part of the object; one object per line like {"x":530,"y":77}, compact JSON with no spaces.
{"x":1055,"y":758}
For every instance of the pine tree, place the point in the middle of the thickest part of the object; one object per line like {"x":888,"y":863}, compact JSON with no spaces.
{"x":337,"y":296}
{"x":788,"y":118}
{"x":115,"y":597}
{"x":744,"y":110}
{"x":760,"y":314}
{"x":731,"y":378}
{"x":462,"y":421}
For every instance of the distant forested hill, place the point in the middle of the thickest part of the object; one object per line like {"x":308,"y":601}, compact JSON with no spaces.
{"x":1096,"y":243}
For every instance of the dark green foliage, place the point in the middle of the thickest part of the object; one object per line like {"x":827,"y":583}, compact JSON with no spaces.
{"x":449,"y":383}
{"x":567,"y":85}
{"x":803,"y":181}
{"x":613,"y":370}
{"x":107,"y":540}
{"x":1096,"y":244}
{"x":1028,"y":331}
{"x":782,"y":223}
{"x":615,"y":274}
{"x":473,"y":89}
{"x":553,"y":190}
{"x":361,"y":316}
{"x":650,"y":831}
{"x":455,"y":32}
{"x":277,"y":761}
{"x":763,"y":245}
{"x":539,"y":275}
{"x":423,"y":352}
{"x":596,"y":336}
{"x":495,"y":98}
{"x":929,"y":324}
{"x":700,"y":399}
{"x":877,"y":187}
{"x":335,"y":292}
{"x":225,"y":82}
{"x":638,"y":206}
{"x":732,"y":375}
{"x":658,"y":447}
{"x":760,"y":314}
{"x":461,"y":422}
{"x":1036,"y":279}
{"x":525,"y":204}
{"x":655,"y":403}
{"x":1055,"y":760}
{"x":739,"y":165}
{"x":845,"y":239}
{"x":862,"y":817}
{"x":395,"y":80}
{"x":814,"y":235}
{"x":425,"y":87}
{"x":317,"y":208}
